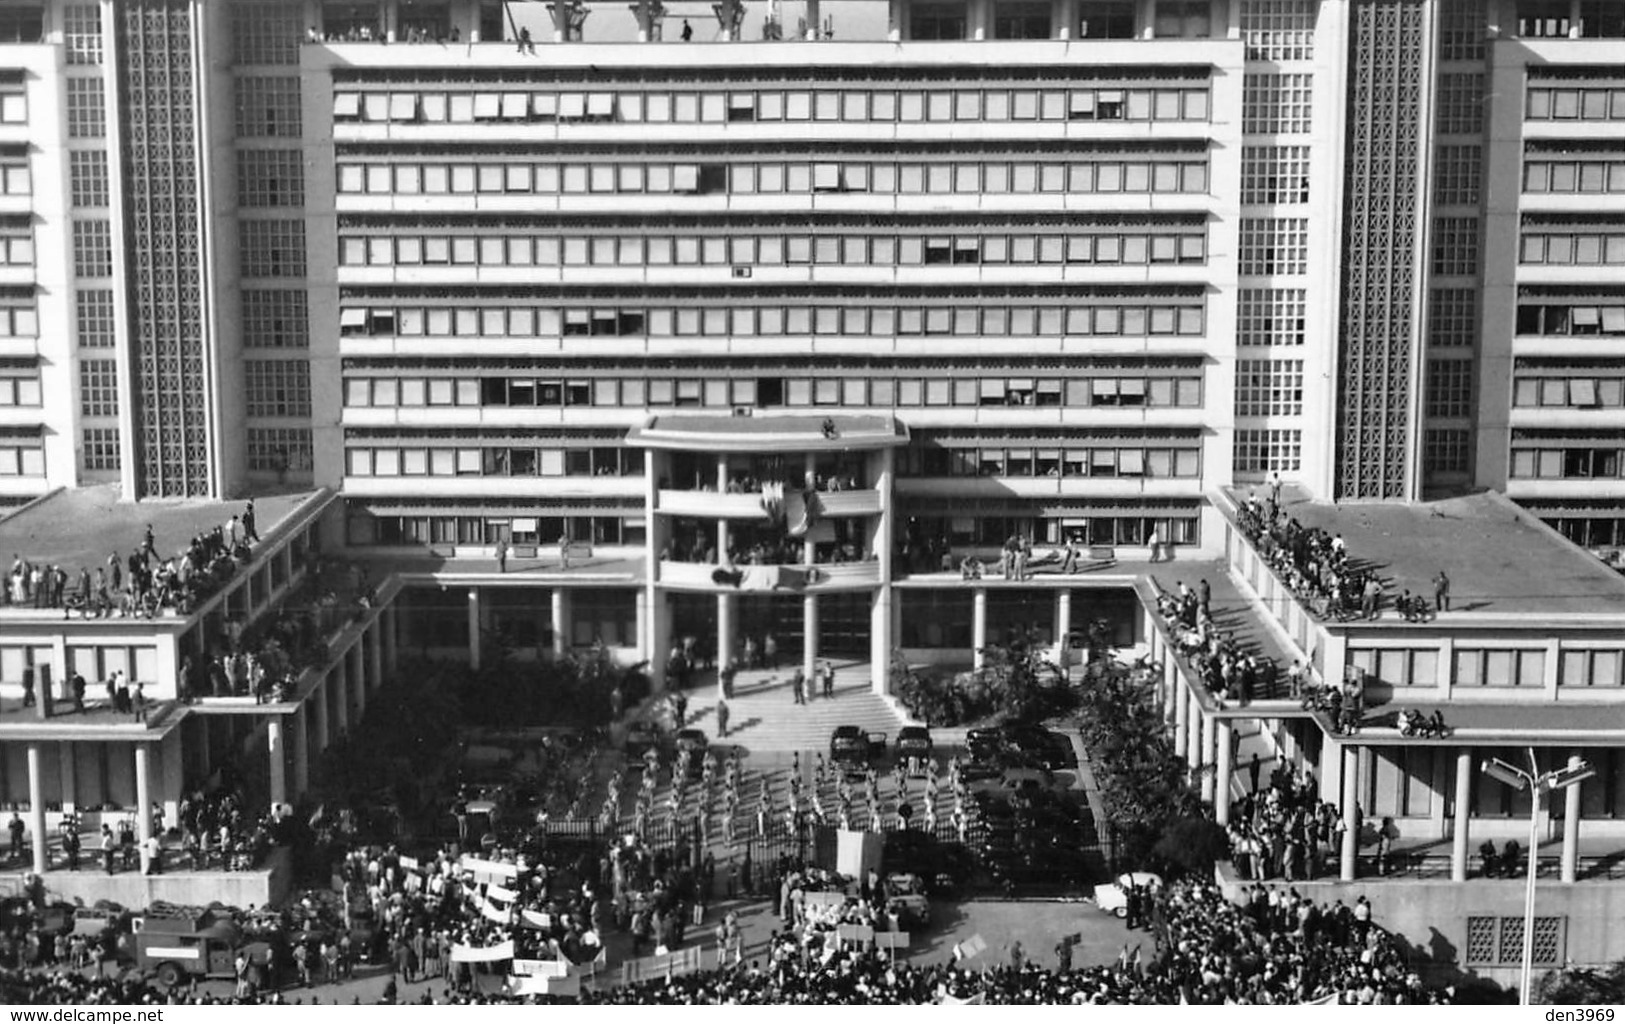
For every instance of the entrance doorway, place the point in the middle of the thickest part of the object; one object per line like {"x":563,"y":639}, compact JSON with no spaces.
{"x":844,"y":625}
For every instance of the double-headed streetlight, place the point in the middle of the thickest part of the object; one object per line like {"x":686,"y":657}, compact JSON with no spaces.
{"x":1538,"y":784}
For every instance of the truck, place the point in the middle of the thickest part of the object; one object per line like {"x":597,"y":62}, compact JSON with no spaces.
{"x":188,"y":942}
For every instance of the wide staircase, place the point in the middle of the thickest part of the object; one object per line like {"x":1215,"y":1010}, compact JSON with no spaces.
{"x":763,"y":716}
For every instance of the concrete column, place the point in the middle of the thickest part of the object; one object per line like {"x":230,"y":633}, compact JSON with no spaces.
{"x":1351,"y":798}
{"x":170,"y":761}
{"x":392,"y":21}
{"x":1223,"y":765}
{"x":1066,"y":17}
{"x":1063,"y":622}
{"x":358,"y":675}
{"x":279,"y":763}
{"x":881,"y":639}
{"x":1148,"y":25}
{"x":659,"y":640}
{"x":1232,"y":21}
{"x":1576,"y":20}
{"x":1194,"y":753}
{"x":1331,"y":770}
{"x":1182,"y":715}
{"x":299,"y":724}
{"x":474,"y":620}
{"x":338,"y":688}
{"x":726,"y":648}
{"x":143,"y":802}
{"x":1171,"y":702}
{"x":318,"y":700}
{"x":36,"y":808}
{"x":1209,"y":779}
{"x":68,"y":772}
{"x":1571,"y":826}
{"x":1460,"y":840}
{"x":981,"y":16}
{"x":375,"y":653}
{"x":809,"y":635}
{"x":814,"y":19}
{"x":391,"y":661}
{"x":896,"y":11}
{"x":561,"y":624}
{"x":978,"y":625}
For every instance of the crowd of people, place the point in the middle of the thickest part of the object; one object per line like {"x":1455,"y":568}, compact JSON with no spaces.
{"x":142,"y":584}
{"x":1276,"y":948}
{"x":1311,"y":562}
{"x":1215,"y":656}
{"x":1283,"y":830}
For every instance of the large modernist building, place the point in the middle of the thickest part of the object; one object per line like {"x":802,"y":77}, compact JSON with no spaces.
{"x":848,"y":289}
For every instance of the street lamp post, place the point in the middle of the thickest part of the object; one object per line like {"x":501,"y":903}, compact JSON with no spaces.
{"x":1538,"y":784}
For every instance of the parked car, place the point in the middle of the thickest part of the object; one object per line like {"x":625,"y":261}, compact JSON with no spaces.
{"x":1112,"y":897}
{"x":908,"y":900}
{"x":853,"y":749}
{"x":913,"y":741}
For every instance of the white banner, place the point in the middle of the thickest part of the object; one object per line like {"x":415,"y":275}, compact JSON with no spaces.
{"x":500,"y":894}
{"x":461,"y":954}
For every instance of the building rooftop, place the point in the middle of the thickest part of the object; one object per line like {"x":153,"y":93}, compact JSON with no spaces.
{"x":769,"y":433}
{"x":1501,"y":560}
{"x":81,"y":526}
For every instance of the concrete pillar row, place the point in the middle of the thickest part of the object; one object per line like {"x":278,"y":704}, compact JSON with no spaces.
{"x":274,"y":744}
{"x":1571,"y":826}
{"x":1223,"y":766}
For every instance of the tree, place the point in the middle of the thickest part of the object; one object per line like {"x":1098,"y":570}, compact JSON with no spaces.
{"x":1582,"y":986}
{"x":1191,"y":845}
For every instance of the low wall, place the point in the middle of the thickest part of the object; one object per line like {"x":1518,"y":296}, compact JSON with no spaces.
{"x":1432,"y":914}
{"x":268,"y":885}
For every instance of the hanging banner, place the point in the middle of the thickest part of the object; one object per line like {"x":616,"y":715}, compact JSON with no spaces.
{"x":536,"y":919}
{"x":500,"y":894}
{"x":492,"y":914}
{"x":540,"y":968}
{"x":461,"y":954}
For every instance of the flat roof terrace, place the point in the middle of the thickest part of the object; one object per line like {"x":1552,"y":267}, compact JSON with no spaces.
{"x":1502,"y":561}
{"x":81,"y":526}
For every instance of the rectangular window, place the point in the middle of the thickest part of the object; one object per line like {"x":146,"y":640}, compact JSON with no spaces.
{"x":100,"y":449}
{"x":1273,"y":175}
{"x":277,"y":387}
{"x":269,"y":107}
{"x":92,"y":248}
{"x":98,"y":387}
{"x":1267,"y":451}
{"x":93,"y":316}
{"x":1455,"y":246}
{"x":279,"y":449}
{"x":87,"y":115}
{"x":1269,"y":387}
{"x":1274,"y":245}
{"x":1276,"y":103}
{"x":272,"y":248}
{"x":1449,"y":388}
{"x":87,"y":175}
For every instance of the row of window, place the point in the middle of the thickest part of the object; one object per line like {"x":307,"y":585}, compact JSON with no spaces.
{"x":504,"y":461}
{"x":1269,"y":387}
{"x":1131,"y":319}
{"x":1569,"y":392}
{"x":16,"y":249}
{"x":1571,"y":248}
{"x":1566,"y":319}
{"x":99,"y":449}
{"x":1102,"y":460}
{"x":1490,"y":667}
{"x":1599,"y":174}
{"x":1133,"y":247}
{"x":1181,"y":172}
{"x":1122,"y":525}
{"x":1599,"y":103}
{"x":98,"y":387}
{"x":1591,"y":531}
{"x":1123,"y":389}
{"x":1567,"y":463}
{"x":387,"y":530}
{"x":1114,"y":103}
{"x":1264,"y":450}
{"x":277,"y":387}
